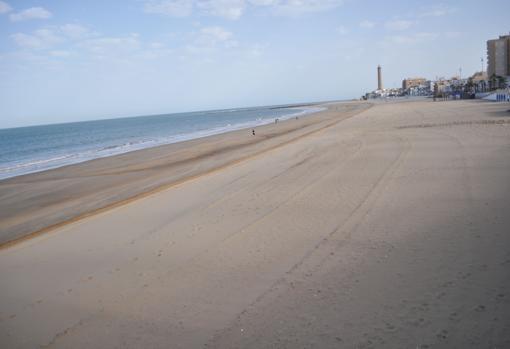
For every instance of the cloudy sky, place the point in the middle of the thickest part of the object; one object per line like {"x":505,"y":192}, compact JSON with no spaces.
{"x":80,"y":60}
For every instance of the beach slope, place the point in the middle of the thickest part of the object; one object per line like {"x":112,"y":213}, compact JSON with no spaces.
{"x":36,"y":203}
{"x":388,"y":229}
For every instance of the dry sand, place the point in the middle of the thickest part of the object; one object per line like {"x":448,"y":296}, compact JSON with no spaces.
{"x":389,"y":229}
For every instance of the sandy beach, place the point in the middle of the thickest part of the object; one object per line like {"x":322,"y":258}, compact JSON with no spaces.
{"x":39,"y":202}
{"x":364,"y":226}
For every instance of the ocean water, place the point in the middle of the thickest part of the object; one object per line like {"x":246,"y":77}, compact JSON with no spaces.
{"x":36,"y":148}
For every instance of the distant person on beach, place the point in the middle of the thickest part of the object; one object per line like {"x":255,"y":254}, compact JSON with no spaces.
{"x":253,"y":132}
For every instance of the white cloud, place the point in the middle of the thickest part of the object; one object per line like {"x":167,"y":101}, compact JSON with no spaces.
{"x":399,"y":24}
{"x":229,"y":9}
{"x":412,"y":38}
{"x":40,"y":39}
{"x":48,"y":36}
{"x":341,"y":30}
{"x":367,"y":24}
{"x":234,"y":9}
{"x":263,"y":2}
{"x":156,"y":45}
{"x":215,"y":34}
{"x":75,"y":31}
{"x":300,"y":7}
{"x":256,"y":50}
{"x":4,"y":7}
{"x":436,"y":11}
{"x":51,"y":36}
{"x":30,"y":13}
{"x":112,"y":46}
{"x":26,"y":41}
{"x":60,"y":53}
{"x":209,"y":39}
{"x":174,"y":8}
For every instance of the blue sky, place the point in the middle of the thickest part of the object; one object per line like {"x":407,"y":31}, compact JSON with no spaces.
{"x":79,"y":60}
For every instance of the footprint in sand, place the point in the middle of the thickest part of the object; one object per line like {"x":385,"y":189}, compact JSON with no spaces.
{"x":454,"y":317}
{"x":480,"y":308}
{"x":442,"y":335}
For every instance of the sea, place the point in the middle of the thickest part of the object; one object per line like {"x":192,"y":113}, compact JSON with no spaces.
{"x":31,"y":149}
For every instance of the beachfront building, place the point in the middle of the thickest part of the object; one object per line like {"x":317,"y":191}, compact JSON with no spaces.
{"x":457,"y":88}
{"x":413,"y":82}
{"x":416,"y":87}
{"x":479,"y":82}
{"x":447,"y":87}
{"x":441,"y":88}
{"x":498,"y":59}
{"x":385,"y":93}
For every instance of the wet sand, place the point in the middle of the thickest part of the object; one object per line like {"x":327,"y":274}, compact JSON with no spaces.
{"x":39,"y":202}
{"x":385,"y":229}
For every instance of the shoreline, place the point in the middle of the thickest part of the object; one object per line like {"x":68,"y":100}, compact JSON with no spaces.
{"x":37,"y":203}
{"x":12,"y":171}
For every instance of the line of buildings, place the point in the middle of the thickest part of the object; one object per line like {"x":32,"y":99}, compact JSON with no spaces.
{"x":498,"y":57}
{"x":496,"y":77}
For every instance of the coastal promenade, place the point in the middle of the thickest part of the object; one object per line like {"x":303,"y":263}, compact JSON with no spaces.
{"x":361,"y":227}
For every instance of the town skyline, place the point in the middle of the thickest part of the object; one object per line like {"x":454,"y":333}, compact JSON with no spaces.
{"x":479,"y":84}
{"x":64,"y":64}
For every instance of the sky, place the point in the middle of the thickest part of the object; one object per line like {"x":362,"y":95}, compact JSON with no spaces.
{"x":65,"y":61}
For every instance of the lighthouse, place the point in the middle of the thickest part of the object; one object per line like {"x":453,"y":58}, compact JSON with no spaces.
{"x":379,"y":78}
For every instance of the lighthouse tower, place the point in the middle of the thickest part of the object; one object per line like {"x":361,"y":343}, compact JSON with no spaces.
{"x":379,"y":78}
